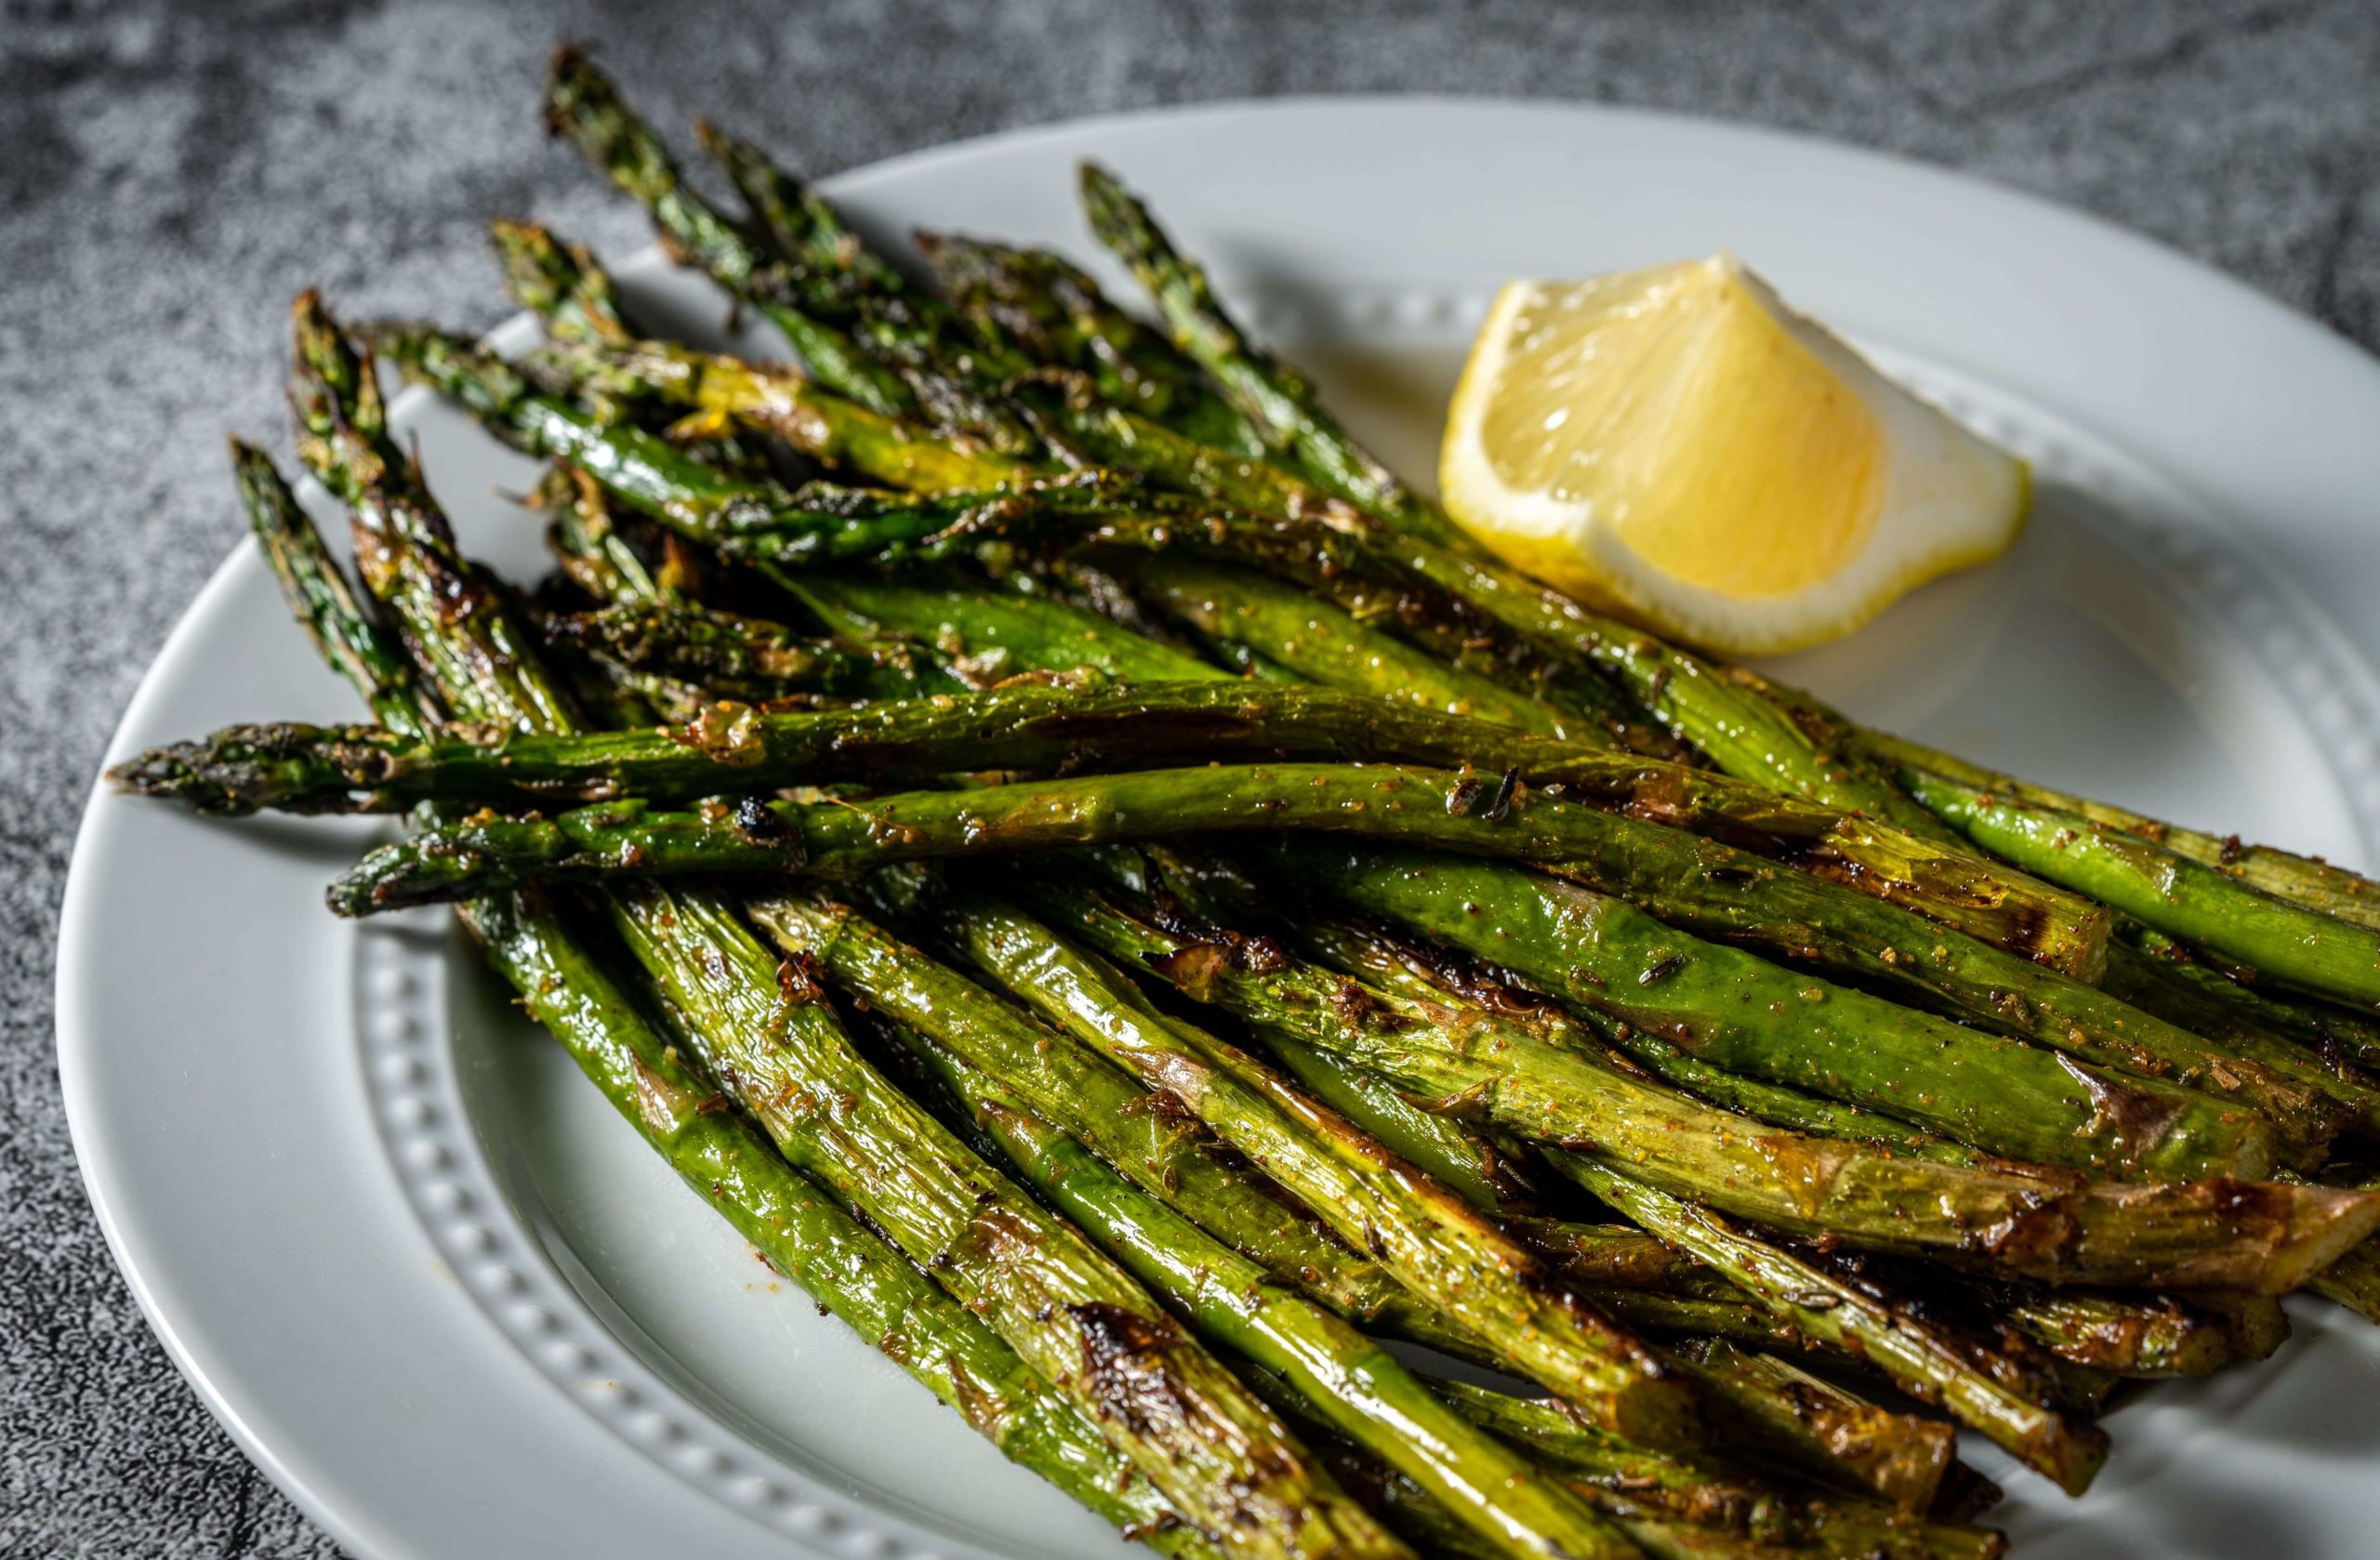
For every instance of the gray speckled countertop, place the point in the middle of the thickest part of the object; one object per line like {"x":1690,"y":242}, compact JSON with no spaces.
{"x":171,"y":174}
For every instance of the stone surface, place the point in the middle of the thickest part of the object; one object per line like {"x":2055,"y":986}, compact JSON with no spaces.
{"x":170,"y":174}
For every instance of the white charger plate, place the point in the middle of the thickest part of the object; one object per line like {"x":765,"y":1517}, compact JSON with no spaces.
{"x":449,"y":1302}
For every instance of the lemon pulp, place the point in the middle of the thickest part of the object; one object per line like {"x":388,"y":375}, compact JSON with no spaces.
{"x":1677,"y":442}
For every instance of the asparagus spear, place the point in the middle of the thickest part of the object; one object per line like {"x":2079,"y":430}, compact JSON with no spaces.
{"x":804,"y":411}
{"x":1657,"y":1531}
{"x":1713,"y":1497}
{"x":582,"y":104}
{"x":1896,"y":1457}
{"x":1226,"y":1465}
{"x":1277,"y":401}
{"x":1813,"y":1304}
{"x":560,"y":283}
{"x":1325,"y":645}
{"x":1194,"y":899}
{"x":2012,"y":1219}
{"x":1725,"y":1005}
{"x":765,"y":1032}
{"x":1079,"y":728}
{"x":1441,"y":1148}
{"x":1890,"y":951}
{"x":806,"y":1236}
{"x":1437,"y":1246}
{"x":2166,"y":889}
{"x":2244,"y":1023}
{"x":319,"y":597}
{"x":2224,"y":998}
{"x":1597,"y":953}
{"x":990,"y":637}
{"x":1922,"y":1360}
{"x":2136,"y":863}
{"x":2307,"y":882}
{"x":1057,"y":313}
{"x":2129,"y":1335}
{"x":804,"y":229}
{"x":1356,"y":1385}
{"x":751,"y":660}
{"x":803,"y":1234}
{"x":400,"y":537}
{"x":2352,"y":1281}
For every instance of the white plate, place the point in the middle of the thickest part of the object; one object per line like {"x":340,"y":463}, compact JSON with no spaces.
{"x":451,"y":1304}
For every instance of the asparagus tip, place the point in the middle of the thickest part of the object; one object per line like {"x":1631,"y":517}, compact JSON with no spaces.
{"x":173,"y":772}
{"x":570,"y":78}
{"x":259,"y":479}
{"x":716,"y":142}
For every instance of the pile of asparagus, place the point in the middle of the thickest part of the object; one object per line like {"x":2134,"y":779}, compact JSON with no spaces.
{"x":1120,"y":902}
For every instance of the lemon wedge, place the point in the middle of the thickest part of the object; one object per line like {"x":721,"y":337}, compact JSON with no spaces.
{"x":1677,"y":445}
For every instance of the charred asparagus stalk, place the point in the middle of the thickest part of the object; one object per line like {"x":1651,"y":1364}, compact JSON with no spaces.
{"x":805,"y":1234}
{"x":2010,"y":1100}
{"x":1196,"y":900}
{"x":2166,"y":889}
{"x":1229,"y":1468}
{"x":1065,"y":1307}
{"x":1918,"y":1358}
{"x":2037,"y":1223}
{"x":806,"y":1237}
{"x":1280,"y":404}
{"x":1714,"y":1496}
{"x":753,"y":661}
{"x":1323,"y":644}
{"x":2307,"y":882}
{"x":1437,"y":1246}
{"x":1055,"y":312}
{"x":582,"y":104}
{"x":1089,"y":728}
{"x":319,"y":597}
{"x":1353,"y":1383}
{"x":1807,"y":1299}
